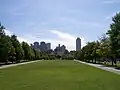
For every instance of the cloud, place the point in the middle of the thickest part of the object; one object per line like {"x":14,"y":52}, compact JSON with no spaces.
{"x":62,"y":38}
{"x":58,"y":37}
{"x":8,"y":32}
{"x":22,"y":39}
{"x":110,"y":1}
{"x":66,"y":39}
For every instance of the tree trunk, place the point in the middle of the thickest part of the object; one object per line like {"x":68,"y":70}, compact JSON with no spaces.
{"x":92,"y":60}
{"x":112,"y":62}
{"x":115,"y":62}
{"x":95,"y":60}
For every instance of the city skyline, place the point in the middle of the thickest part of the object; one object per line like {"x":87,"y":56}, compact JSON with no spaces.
{"x":37,"y":46}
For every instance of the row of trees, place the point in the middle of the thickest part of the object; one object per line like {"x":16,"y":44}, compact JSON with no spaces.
{"x":11,"y":50}
{"x":106,"y":49}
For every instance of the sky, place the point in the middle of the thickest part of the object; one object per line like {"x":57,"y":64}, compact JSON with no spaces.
{"x":57,"y":21}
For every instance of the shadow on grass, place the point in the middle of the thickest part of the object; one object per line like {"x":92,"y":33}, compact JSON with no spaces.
{"x":117,"y":67}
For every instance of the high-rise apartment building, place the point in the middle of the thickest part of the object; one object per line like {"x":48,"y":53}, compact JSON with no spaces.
{"x":78,"y":44}
{"x":36,"y":46}
{"x":48,"y":45}
{"x":42,"y":46}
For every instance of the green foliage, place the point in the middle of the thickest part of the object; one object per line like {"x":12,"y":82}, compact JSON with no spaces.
{"x":6,"y":48}
{"x":12,"y":50}
{"x":114,"y":35}
{"x":28,"y":51}
{"x":106,"y":47}
{"x":2,"y":32}
{"x":18,"y":49}
{"x":96,"y":51}
{"x":37,"y":55}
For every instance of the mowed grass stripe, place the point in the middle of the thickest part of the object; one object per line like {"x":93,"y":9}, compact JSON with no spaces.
{"x":57,"y":75}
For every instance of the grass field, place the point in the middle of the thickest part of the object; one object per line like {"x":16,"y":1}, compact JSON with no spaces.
{"x":57,"y":75}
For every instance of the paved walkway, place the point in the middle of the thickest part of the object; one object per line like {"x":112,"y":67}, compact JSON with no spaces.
{"x":110,"y":69}
{"x":11,"y":65}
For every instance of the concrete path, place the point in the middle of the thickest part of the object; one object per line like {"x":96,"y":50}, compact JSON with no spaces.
{"x":11,"y":65}
{"x":110,"y":69}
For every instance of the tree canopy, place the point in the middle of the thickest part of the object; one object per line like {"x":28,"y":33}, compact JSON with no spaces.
{"x":105,"y":49}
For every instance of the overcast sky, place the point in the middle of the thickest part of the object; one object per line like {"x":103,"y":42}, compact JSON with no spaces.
{"x":57,"y":21}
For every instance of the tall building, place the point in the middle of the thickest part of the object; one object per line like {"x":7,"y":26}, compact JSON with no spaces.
{"x":48,"y":45}
{"x":63,"y":48}
{"x":36,"y":46}
{"x":60,"y":49}
{"x":42,"y":46}
{"x":78,"y":44}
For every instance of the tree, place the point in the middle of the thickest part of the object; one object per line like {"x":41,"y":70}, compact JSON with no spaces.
{"x":89,"y":51}
{"x":12,"y":54}
{"x":18,"y":48}
{"x":28,"y":51}
{"x":95,"y":54}
{"x":2,"y":32}
{"x":105,"y":48}
{"x":6,"y":49}
{"x":114,"y":35}
{"x":37,"y":54}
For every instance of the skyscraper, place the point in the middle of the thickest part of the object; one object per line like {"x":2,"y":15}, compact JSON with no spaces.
{"x":36,"y":46}
{"x":43,"y":46}
{"x":78,"y":44}
{"x":48,"y":46}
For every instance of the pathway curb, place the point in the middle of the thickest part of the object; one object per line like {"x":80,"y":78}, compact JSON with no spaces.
{"x":12,"y":65}
{"x":110,"y":69}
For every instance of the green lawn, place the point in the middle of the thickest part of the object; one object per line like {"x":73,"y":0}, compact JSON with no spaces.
{"x":57,"y":75}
